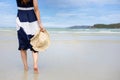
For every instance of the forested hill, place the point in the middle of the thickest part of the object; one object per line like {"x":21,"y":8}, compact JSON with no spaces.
{"x":106,"y":26}
{"x":117,"y":25}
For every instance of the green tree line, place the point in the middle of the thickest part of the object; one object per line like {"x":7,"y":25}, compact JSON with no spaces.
{"x":117,"y":25}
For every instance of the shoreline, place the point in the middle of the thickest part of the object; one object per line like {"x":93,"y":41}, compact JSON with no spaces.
{"x":71,"y":56}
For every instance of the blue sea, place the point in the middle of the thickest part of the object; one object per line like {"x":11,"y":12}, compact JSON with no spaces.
{"x":78,"y":34}
{"x":68,"y":30}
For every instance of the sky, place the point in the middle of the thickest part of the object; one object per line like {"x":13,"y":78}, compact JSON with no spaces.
{"x":66,"y":13}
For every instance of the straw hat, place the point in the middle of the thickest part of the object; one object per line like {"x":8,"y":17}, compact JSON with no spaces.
{"x":40,"y":41}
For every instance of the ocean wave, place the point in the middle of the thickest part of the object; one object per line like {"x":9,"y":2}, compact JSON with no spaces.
{"x":59,"y":31}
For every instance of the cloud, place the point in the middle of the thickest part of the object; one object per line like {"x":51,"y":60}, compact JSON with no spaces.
{"x":111,"y":18}
{"x":64,"y":13}
{"x":7,"y":20}
{"x":81,"y":17}
{"x":7,"y":14}
{"x":83,"y":12}
{"x":4,"y":5}
{"x":80,"y":3}
{"x":7,"y":7}
{"x":55,"y":24}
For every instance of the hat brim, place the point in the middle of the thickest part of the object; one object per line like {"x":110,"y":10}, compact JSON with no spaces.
{"x":40,"y":41}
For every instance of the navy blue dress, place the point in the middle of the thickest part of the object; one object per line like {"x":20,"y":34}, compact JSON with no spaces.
{"x":27,"y":24}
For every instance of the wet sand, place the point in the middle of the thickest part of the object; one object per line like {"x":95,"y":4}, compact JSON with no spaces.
{"x":87,"y":58}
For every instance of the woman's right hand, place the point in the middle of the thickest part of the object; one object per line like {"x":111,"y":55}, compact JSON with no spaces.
{"x":41,"y":28}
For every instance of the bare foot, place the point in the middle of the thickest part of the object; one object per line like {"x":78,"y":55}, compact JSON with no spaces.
{"x":36,"y":71}
{"x":26,"y":68}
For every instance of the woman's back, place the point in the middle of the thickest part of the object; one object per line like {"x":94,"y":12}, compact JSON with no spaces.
{"x":26,"y":12}
{"x":21,"y":4}
{"x":27,"y":24}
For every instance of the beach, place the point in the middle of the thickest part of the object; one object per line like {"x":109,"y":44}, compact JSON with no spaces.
{"x":72,"y":55}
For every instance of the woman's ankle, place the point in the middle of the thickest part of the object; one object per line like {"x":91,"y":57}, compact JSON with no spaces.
{"x":36,"y":71}
{"x":26,"y":68}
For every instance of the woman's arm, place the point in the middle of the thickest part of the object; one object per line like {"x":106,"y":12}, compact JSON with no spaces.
{"x":37,"y":12}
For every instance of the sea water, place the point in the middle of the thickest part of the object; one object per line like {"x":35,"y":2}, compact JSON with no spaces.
{"x":76,"y":34}
{"x":84,"y":34}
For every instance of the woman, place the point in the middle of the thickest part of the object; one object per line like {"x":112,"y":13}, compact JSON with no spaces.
{"x":28,"y":22}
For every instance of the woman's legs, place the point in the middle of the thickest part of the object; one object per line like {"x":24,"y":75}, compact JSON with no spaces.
{"x":35,"y":61}
{"x":24,"y":59}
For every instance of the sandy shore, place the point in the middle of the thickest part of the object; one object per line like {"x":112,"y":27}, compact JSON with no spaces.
{"x":70,"y":57}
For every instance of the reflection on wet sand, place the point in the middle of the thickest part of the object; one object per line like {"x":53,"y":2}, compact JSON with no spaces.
{"x":35,"y":77}
{"x":73,"y":56}
{"x":26,"y":76}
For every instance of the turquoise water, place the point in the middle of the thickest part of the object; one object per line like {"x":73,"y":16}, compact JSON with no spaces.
{"x":79,"y":34}
{"x":67,"y":30}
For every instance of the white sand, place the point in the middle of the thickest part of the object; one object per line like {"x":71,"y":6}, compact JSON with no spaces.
{"x":81,"y":58}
